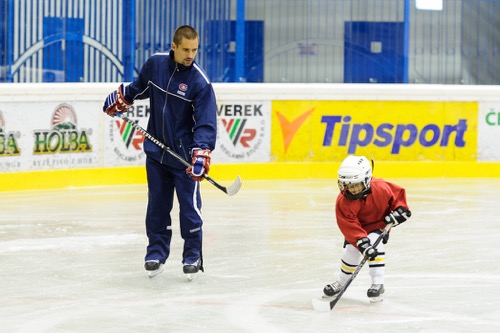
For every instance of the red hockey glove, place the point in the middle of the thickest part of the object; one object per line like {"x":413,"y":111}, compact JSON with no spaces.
{"x":200,"y":164}
{"x":116,"y":102}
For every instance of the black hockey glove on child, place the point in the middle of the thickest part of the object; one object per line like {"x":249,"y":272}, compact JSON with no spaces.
{"x":398,"y":216}
{"x":366,"y":248}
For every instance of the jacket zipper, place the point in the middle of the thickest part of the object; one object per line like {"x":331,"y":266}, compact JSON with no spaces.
{"x":164,"y":108}
{"x":181,"y":147}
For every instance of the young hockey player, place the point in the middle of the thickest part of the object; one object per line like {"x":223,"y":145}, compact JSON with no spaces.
{"x":364,"y":206}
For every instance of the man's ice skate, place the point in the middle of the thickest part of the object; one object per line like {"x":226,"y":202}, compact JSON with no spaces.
{"x":376,"y":293}
{"x":154,"y":267}
{"x":191,"y":270}
{"x":332,"y":289}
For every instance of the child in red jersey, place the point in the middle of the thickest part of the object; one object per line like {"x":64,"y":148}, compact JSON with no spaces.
{"x":362,"y":210}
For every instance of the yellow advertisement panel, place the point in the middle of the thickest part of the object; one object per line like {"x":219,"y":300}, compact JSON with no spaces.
{"x":381,"y":130}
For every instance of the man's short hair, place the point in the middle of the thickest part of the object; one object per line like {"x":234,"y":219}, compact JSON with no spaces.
{"x":184,"y":31}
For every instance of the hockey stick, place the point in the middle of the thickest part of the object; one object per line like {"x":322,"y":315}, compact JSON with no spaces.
{"x":230,"y":190}
{"x":320,"y":305}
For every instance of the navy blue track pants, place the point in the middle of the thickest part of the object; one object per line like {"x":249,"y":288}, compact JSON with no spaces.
{"x":163,"y":182}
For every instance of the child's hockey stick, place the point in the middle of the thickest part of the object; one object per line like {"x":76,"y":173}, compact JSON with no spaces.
{"x":230,"y":190}
{"x":328,"y":306}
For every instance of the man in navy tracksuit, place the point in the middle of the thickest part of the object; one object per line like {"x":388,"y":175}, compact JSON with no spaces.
{"x":183,"y":116}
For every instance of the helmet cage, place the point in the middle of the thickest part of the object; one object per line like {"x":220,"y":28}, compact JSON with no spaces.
{"x":343,"y":187}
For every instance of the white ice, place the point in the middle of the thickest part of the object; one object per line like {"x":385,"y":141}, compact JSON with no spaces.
{"x":72,"y":261}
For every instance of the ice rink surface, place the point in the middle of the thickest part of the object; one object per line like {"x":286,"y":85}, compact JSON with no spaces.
{"x":72,"y":261}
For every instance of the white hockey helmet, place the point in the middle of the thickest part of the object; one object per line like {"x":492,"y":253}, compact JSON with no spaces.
{"x":355,"y":170}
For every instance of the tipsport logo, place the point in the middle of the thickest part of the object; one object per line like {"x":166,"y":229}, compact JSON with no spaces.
{"x":242,"y":128}
{"x":64,"y":136}
{"x":290,"y":127}
{"x":397,"y":132}
{"x":127,"y":141}
{"x":8,"y":140}
{"x":395,"y":136}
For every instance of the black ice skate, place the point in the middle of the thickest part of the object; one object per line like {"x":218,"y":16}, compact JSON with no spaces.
{"x":332,"y":289}
{"x":154,"y":267}
{"x":376,"y":293}
{"x":191,"y":270}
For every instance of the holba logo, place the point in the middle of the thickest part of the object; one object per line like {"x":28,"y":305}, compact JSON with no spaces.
{"x":63,"y":137}
{"x":8,"y":140}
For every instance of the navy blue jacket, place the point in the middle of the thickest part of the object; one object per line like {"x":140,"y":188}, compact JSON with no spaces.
{"x":182,"y":105}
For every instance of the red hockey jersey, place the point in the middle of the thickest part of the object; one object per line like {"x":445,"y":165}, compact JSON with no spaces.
{"x":357,"y":218}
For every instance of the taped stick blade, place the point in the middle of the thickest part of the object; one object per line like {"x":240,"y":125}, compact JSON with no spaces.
{"x":234,"y":187}
{"x":230,"y":190}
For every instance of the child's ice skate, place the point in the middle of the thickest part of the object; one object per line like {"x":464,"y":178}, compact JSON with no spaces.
{"x":376,"y":293}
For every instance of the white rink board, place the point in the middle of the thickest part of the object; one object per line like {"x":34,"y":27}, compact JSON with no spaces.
{"x":123,"y":147}
{"x":244,"y":131}
{"x":27,"y":109}
{"x":488,"y":141}
{"x":31,"y":125}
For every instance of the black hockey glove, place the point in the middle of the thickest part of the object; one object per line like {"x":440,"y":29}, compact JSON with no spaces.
{"x":366,"y":248}
{"x":398,"y":216}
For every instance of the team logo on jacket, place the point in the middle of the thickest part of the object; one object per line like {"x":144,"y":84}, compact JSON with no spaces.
{"x":182,"y":88}
{"x":8,"y":140}
{"x":243,"y":131}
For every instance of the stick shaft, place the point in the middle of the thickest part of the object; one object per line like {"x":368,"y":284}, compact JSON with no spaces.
{"x":232,"y":189}
{"x":363,"y":261}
